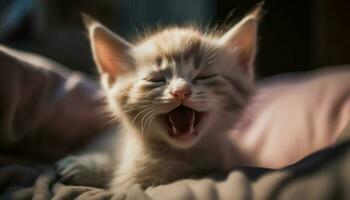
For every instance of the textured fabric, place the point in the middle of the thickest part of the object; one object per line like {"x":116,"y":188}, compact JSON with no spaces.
{"x":324,"y":175}
{"x":44,"y":105}
{"x":47,"y":111}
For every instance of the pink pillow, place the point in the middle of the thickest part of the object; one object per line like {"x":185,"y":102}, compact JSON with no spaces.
{"x":293,"y":116}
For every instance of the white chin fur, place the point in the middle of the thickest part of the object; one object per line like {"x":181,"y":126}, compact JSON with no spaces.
{"x":182,"y":144}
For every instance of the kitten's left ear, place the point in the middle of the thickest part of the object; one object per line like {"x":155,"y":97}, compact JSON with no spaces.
{"x":241,"y":41}
{"x":110,"y":51}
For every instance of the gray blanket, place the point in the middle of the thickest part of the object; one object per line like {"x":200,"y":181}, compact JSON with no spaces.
{"x":47,"y":112}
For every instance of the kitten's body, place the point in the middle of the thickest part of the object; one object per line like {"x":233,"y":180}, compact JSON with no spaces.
{"x":176,"y":94}
{"x":154,"y":164}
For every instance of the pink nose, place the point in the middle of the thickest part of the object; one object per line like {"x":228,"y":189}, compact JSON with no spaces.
{"x":181,"y":90}
{"x":181,"y":94}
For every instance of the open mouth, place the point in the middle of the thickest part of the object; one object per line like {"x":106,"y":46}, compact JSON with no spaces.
{"x":182,"y":122}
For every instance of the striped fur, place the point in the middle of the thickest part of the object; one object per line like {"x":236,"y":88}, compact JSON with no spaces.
{"x":137,"y":79}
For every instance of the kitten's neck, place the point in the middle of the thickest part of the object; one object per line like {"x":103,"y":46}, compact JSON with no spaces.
{"x":210,"y":149}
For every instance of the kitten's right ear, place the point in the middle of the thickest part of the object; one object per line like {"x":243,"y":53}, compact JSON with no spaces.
{"x":110,"y":51}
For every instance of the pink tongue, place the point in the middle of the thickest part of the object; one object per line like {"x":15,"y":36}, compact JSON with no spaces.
{"x":182,"y":118}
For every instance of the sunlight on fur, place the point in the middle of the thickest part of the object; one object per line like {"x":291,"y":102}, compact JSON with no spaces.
{"x":175,"y":92}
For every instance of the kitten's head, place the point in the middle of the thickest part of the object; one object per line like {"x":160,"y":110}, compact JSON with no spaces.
{"x":177,"y":85}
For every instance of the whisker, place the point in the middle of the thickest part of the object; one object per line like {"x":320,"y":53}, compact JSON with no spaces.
{"x":143,"y":118}
{"x":138,"y":114}
{"x":108,"y":122}
{"x":151,"y":119}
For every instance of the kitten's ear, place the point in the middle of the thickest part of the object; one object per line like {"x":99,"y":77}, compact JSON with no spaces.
{"x":110,"y":51}
{"x":241,"y":41}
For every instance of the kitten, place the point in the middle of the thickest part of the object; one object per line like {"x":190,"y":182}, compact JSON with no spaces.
{"x":176,"y":94}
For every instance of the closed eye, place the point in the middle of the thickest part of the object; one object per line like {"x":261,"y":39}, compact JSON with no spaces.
{"x":205,"y":77}
{"x":155,"y":79}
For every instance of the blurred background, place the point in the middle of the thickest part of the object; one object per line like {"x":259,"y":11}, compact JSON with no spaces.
{"x":296,"y":35}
